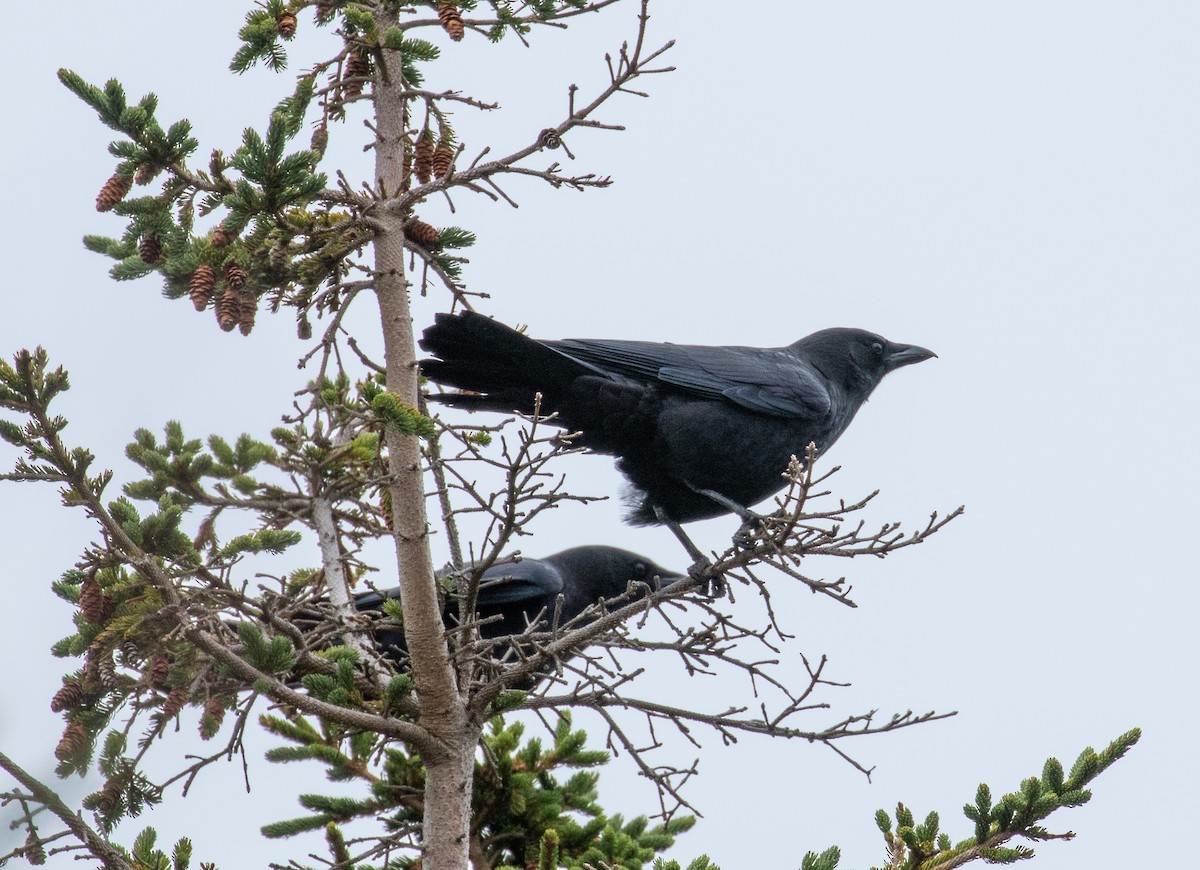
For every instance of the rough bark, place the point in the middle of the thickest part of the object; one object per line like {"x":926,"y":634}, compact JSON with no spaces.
{"x":443,"y":713}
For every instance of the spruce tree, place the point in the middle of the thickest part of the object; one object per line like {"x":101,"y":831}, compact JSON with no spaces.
{"x":168,"y":614}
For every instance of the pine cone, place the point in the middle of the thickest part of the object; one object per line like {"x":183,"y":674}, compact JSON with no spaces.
{"x":69,"y":697}
{"x":221,"y":237}
{"x":324,"y":13}
{"x":74,"y":738}
{"x":200,"y":287}
{"x":443,"y":158}
{"x":33,"y":850}
{"x":228,"y":310}
{"x":235,"y":275}
{"x":320,"y":138}
{"x":423,"y":234}
{"x":145,"y":174}
{"x":406,"y":167}
{"x":206,"y":534}
{"x":93,"y":602}
{"x":106,"y":670}
{"x":303,"y":328}
{"x":385,"y":506}
{"x":109,"y":797}
{"x":451,"y":20}
{"x":173,"y":704}
{"x":286,"y":25}
{"x":90,"y":678}
{"x":423,"y":162}
{"x":214,"y":715}
{"x":160,"y":670}
{"x":114,"y":191}
{"x":549,"y":138}
{"x":277,"y":256}
{"x":247,"y":308}
{"x":150,"y":248}
{"x":357,"y":68}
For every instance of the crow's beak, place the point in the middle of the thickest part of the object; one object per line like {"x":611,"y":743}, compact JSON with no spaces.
{"x":899,"y":355}
{"x":666,"y":578}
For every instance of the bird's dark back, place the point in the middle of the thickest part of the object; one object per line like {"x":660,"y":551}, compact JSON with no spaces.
{"x":678,"y":418}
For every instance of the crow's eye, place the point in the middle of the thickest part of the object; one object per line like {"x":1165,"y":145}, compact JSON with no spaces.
{"x":877,"y":349}
{"x":640,"y":569}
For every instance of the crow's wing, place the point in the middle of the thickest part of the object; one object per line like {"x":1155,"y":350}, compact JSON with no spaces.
{"x":513,"y":582}
{"x":768,"y":381}
{"x":506,"y":583}
{"x":374,"y":600}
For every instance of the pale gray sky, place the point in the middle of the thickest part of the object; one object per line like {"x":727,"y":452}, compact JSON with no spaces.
{"x":1013,"y":184}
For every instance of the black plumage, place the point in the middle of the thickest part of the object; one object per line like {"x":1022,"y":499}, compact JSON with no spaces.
{"x":698,"y":431}
{"x":514,"y":595}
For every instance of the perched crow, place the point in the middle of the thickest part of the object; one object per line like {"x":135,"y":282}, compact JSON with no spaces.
{"x":698,"y":431}
{"x":526,"y":591}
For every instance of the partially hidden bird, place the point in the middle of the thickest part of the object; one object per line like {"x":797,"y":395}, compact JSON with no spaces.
{"x":517,"y":594}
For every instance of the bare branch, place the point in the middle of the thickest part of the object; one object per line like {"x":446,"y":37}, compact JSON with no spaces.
{"x":97,"y":846}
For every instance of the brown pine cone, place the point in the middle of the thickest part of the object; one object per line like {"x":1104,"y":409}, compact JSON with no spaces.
{"x":277,"y":256}
{"x":92,"y":601}
{"x":247,"y":308}
{"x":160,"y":670}
{"x":145,"y":174}
{"x":320,"y":138}
{"x":206,"y":534}
{"x":451,"y":20}
{"x":173,"y":704}
{"x":109,"y":797}
{"x":74,"y":738}
{"x":228,"y":310}
{"x":114,"y":191}
{"x":443,"y":158}
{"x":423,"y":159}
{"x":150,"y":248}
{"x":200,"y":287}
{"x":324,"y":13}
{"x":235,"y":275}
{"x":406,"y":168}
{"x":385,"y":506}
{"x":286,"y":25}
{"x":220,"y":237}
{"x":70,"y":696}
{"x":423,"y":234}
{"x":214,"y":715}
{"x":357,"y":68}
{"x":33,"y":851}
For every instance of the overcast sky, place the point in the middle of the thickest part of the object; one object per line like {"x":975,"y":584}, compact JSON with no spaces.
{"x":1012,"y":184}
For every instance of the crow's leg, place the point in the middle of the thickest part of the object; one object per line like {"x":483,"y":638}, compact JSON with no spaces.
{"x":701,"y":568}
{"x":743,"y":538}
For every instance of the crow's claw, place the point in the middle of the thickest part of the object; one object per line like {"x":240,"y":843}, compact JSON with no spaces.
{"x":711,"y":585}
{"x":752,"y":526}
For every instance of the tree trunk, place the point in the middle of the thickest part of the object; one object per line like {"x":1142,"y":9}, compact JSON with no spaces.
{"x":443,"y":713}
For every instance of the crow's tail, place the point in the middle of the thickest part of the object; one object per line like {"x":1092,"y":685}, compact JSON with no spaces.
{"x":498,"y":368}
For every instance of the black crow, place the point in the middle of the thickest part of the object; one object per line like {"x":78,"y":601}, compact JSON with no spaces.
{"x":698,"y":431}
{"x":522,"y":593}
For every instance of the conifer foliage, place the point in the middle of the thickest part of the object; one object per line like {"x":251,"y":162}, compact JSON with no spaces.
{"x":461,"y":750}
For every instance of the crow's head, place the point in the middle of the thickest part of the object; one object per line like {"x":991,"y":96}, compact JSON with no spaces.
{"x":856,"y":359}
{"x":596,"y":572}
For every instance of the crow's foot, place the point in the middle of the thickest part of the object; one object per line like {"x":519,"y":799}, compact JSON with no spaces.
{"x":711,"y":585}
{"x":753,"y":526}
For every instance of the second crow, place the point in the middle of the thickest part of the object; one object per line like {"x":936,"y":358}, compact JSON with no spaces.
{"x":516,"y":594}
